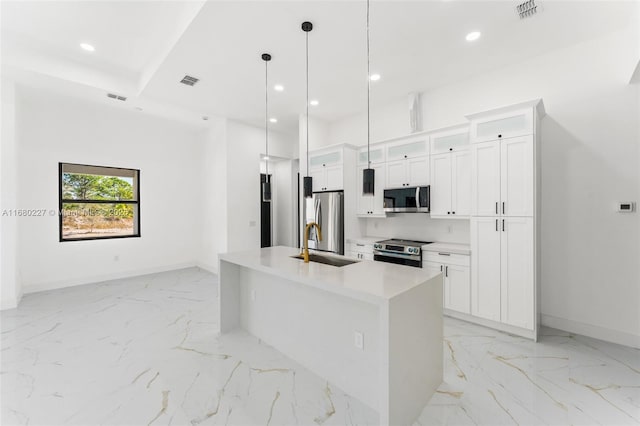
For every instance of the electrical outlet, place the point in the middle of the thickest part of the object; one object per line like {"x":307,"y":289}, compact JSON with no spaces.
{"x":253,"y":295}
{"x":358,"y":340}
{"x":252,"y":223}
{"x":116,"y":258}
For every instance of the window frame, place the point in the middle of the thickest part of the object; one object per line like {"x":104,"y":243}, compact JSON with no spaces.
{"x":62,"y":201}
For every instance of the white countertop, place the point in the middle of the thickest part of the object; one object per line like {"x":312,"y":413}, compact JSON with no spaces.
{"x":453,"y":248}
{"x":368,"y":281}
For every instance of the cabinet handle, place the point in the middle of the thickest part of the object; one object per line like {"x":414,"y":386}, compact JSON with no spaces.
{"x":440,"y":268}
{"x":360,"y":245}
{"x":448,"y":212}
{"x":405,"y":156}
{"x":496,"y":207}
{"x":499,"y":136}
{"x":453,"y":212}
{"x":446,"y":271}
{"x":503,"y":207}
{"x":444,"y":254}
{"x":496,"y":225}
{"x":450,"y":149}
{"x":502,"y":225}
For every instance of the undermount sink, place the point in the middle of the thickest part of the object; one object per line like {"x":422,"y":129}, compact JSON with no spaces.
{"x":327,"y":260}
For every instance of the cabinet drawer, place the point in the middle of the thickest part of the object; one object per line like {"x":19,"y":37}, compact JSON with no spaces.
{"x":447,"y":258}
{"x":360,"y":248}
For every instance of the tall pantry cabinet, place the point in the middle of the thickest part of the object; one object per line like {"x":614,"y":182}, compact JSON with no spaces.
{"x":505,"y":201}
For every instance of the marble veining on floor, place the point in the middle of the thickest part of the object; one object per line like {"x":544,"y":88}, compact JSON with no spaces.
{"x":145,"y":351}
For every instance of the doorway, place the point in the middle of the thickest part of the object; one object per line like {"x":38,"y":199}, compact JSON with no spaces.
{"x":265,"y":214}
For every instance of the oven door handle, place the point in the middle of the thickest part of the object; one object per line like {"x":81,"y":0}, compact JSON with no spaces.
{"x":400,"y":256}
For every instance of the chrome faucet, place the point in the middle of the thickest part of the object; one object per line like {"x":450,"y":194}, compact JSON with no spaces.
{"x":305,"y":251}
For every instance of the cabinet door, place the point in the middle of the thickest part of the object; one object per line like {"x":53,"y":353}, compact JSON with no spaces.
{"x":517,"y":275}
{"x":364,"y":203}
{"x":457,"y":288}
{"x":325,"y":159}
{"x":319,"y":179}
{"x":485,"y":267}
{"x":396,"y":174}
{"x":441,"y":185}
{"x":502,"y":126}
{"x":418,"y":171}
{"x":367,"y":256}
{"x":460,"y":183}
{"x":516,"y":176}
{"x":377,"y":206}
{"x":333,"y":178}
{"x":416,"y":147}
{"x":485,"y":179}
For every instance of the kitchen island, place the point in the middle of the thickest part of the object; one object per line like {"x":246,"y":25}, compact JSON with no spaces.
{"x":373,"y":329}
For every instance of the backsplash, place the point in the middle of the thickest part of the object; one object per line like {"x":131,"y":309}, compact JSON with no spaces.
{"x":417,"y":226}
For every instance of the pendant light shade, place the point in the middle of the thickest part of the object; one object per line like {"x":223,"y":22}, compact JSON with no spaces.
{"x":368,"y":174}
{"x":266,"y":185}
{"x":308,"y":180}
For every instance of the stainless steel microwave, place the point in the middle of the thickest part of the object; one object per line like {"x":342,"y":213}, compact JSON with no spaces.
{"x":414,"y":199}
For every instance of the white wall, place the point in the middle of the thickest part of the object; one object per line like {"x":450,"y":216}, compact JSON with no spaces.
{"x":590,"y":161}
{"x":52,"y":129}
{"x":10,"y":285}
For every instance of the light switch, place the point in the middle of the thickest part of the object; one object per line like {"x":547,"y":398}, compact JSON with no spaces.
{"x":358,"y":340}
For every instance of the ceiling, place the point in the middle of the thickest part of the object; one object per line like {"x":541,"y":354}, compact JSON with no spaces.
{"x":144,"y":48}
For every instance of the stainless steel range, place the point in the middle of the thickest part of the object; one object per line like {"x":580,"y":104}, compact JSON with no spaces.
{"x":402,"y":252}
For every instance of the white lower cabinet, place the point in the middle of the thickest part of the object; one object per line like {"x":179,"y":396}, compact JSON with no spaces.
{"x":456,"y":280}
{"x":359,"y":251}
{"x":502,"y":270}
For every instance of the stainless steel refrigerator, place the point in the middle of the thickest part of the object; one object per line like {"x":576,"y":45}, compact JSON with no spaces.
{"x":327,"y":210}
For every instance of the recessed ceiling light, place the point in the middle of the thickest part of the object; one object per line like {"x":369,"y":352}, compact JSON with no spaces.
{"x":273,"y":120}
{"x":265,"y":158}
{"x":472,"y":36}
{"x":314,"y":102}
{"x":278,"y":87}
{"x":375,"y":77}
{"x":87,"y":47}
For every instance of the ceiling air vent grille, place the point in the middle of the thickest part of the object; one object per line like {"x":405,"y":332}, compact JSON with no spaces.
{"x":189,"y":81}
{"x":527,"y":9}
{"x":118,"y":97}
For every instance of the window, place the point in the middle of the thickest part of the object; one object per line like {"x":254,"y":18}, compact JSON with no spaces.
{"x":98,"y":202}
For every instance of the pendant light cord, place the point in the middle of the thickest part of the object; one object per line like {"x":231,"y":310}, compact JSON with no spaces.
{"x":266,"y":119}
{"x":307,"y":64}
{"x":368,"y":95}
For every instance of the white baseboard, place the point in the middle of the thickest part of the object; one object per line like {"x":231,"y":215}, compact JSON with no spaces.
{"x":506,"y":328}
{"x":8,"y":304}
{"x":54,"y":285}
{"x":208,"y":267}
{"x":594,"y":331}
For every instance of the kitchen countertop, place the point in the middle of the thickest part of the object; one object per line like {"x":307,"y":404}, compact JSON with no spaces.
{"x":368,"y":281}
{"x":454,"y":248}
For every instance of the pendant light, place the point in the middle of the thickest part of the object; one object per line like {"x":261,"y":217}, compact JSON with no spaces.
{"x":368,"y":174}
{"x":308,"y":180}
{"x":266,"y":185}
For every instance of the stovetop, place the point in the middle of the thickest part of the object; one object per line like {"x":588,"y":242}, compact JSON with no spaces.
{"x":407,"y":243}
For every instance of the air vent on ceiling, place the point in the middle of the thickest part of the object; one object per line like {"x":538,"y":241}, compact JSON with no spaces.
{"x":527,"y":9}
{"x":189,"y":81}
{"x":118,"y":97}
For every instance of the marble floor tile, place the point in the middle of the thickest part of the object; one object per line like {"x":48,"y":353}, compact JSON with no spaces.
{"x":144,"y":351}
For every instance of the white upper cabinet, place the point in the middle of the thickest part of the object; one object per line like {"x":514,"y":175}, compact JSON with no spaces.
{"x":451,"y":140}
{"x":461,"y":183}
{"x":440,"y":193}
{"x":327,"y":169}
{"x":489,"y":127}
{"x":412,"y":147}
{"x":377,"y":154}
{"x":485,"y":179}
{"x":371,"y":205}
{"x":322,"y":159}
{"x":516,"y":173}
{"x":407,"y":172}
